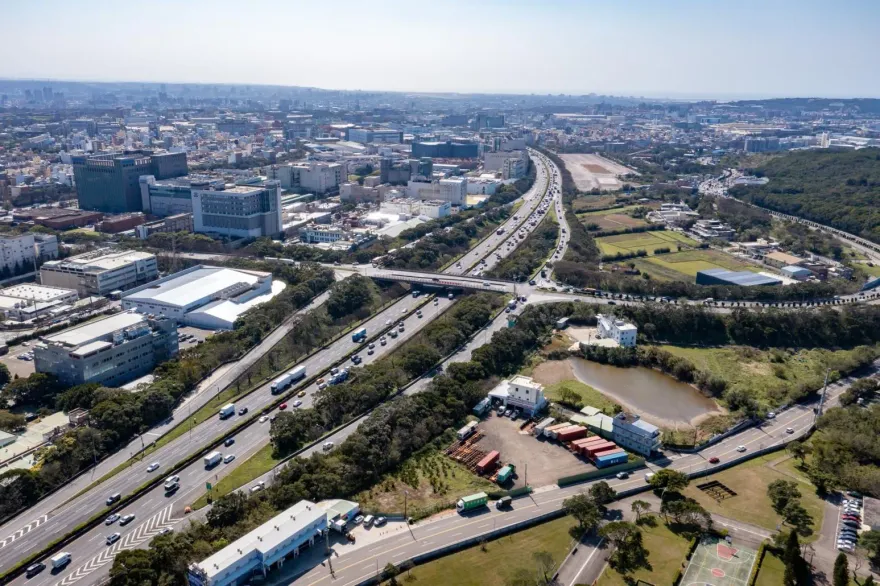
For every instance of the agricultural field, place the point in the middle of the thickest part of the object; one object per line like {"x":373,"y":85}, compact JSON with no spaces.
{"x":586,"y":203}
{"x":683,"y":266}
{"x":430,"y":479}
{"x":647,"y":241}
{"x":613,"y":219}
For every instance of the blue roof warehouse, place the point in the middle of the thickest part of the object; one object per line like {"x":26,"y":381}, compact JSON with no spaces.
{"x":738,"y":278}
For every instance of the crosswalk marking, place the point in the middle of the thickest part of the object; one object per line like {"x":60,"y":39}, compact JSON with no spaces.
{"x":142,"y":533}
{"x":24,"y":530}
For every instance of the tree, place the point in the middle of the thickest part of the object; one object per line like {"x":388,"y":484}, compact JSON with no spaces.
{"x":417,"y":359}
{"x":602,"y":494}
{"x":840,"y":575}
{"x":869,"y":581}
{"x":630,"y":553}
{"x":349,"y":295}
{"x":391,"y":572}
{"x":687,"y":512}
{"x":133,"y":567}
{"x":799,"y":450}
{"x":10,"y":421}
{"x":227,"y":510}
{"x":544,"y":566}
{"x":639,"y":507}
{"x":797,"y":516}
{"x":781,"y":492}
{"x":669,"y":480}
{"x":870,"y":542}
{"x":582,"y":507}
{"x":36,"y":389}
{"x":4,"y":372}
{"x":796,"y":571}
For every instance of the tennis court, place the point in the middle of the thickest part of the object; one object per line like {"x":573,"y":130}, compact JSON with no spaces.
{"x":718,"y":563}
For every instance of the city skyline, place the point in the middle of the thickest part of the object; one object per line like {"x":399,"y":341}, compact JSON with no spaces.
{"x":680,"y":50}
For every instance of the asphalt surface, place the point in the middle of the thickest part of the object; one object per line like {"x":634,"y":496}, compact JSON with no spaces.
{"x":353,"y":567}
{"x":156,"y":509}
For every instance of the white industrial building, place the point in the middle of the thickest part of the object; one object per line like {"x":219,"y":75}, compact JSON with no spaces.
{"x":100,"y":272}
{"x":281,"y":537}
{"x":635,"y":435}
{"x":622,"y":332}
{"x":111,"y":351}
{"x":453,"y":190}
{"x":520,"y":392}
{"x":21,"y":251}
{"x":411,"y":208}
{"x":203,"y":296}
{"x":29,"y":301}
{"x":311,"y":176}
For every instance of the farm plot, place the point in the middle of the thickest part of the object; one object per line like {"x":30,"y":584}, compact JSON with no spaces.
{"x":647,"y":241}
{"x":686,"y":264}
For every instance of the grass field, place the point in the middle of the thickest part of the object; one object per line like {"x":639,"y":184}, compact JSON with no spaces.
{"x":592,"y":202}
{"x":683,"y":266}
{"x":429,"y":479}
{"x":751,"y":504}
{"x":252,"y":468}
{"x":502,"y":557}
{"x":613,"y":219}
{"x":769,"y":375}
{"x":771,"y":571}
{"x":588,"y":395}
{"x":666,"y":554}
{"x":648,"y":241}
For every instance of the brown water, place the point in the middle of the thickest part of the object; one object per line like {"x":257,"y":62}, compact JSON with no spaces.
{"x":651,"y":394}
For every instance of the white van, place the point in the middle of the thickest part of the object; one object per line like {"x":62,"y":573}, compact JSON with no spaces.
{"x":368,"y":520}
{"x":649,"y":476}
{"x":60,"y":560}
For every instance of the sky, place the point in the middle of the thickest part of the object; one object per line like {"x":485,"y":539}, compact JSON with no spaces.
{"x":653,"y":48}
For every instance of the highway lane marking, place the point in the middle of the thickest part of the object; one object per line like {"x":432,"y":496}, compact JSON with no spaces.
{"x":23,"y":530}
{"x":592,"y":553}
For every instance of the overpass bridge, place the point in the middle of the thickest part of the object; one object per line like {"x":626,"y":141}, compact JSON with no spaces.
{"x":442,"y":280}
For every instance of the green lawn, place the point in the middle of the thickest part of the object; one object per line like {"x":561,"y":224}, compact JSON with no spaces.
{"x":769,"y":375}
{"x":496,"y":565}
{"x":666,"y":556}
{"x":623,"y":210}
{"x":647,"y":241}
{"x":588,"y":395}
{"x":771,"y":571}
{"x":253,"y":467}
{"x":429,"y":480}
{"x":751,"y":505}
{"x":688,"y":263}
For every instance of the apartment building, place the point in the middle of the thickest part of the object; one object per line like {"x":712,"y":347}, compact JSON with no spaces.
{"x":18,"y":253}
{"x":635,"y":435}
{"x":101,"y":271}
{"x":238,"y":211}
{"x":520,"y":392}
{"x":622,"y":332}
{"x":110,"y":351}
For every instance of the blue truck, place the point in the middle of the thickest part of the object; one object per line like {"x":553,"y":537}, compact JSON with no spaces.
{"x":359,"y":335}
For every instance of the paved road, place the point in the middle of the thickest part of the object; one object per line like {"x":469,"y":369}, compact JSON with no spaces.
{"x":352,"y":568}
{"x":155,"y":509}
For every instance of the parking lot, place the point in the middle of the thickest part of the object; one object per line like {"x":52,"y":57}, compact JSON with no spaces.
{"x":17,"y":366}
{"x":193,"y":335}
{"x":546,"y":460}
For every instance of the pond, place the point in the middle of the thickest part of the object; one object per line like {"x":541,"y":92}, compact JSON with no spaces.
{"x":655,"y":396}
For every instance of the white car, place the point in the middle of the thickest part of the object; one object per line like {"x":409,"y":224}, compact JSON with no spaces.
{"x":297,"y":403}
{"x":740,"y":448}
{"x":152,"y":466}
{"x":771,"y":415}
{"x":228,"y":458}
{"x":258,"y":487}
{"x":264,"y":419}
{"x":113,"y":538}
{"x":789,"y":430}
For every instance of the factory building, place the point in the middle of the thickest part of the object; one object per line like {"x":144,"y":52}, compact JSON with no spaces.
{"x":110,"y":351}
{"x":30,"y":301}
{"x":737,"y":278}
{"x":203,"y":296}
{"x":100,"y":272}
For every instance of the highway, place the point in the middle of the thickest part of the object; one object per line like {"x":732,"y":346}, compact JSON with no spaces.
{"x":357,"y":564}
{"x":91,"y":558}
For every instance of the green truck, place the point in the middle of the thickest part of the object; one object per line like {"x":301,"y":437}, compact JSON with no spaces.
{"x":505,"y":473}
{"x":471,"y":502}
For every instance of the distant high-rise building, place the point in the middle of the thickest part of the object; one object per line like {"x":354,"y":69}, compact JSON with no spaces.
{"x":109,"y":182}
{"x":446,"y":150}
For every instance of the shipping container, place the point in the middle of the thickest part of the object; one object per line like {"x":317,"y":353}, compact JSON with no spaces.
{"x":505,"y":473}
{"x":611,"y":460}
{"x":607,"y":452}
{"x":554,"y":434}
{"x":590,"y":450}
{"x":593,"y":439}
{"x":571,"y":433}
{"x":472,"y":501}
{"x":487,"y":462}
{"x":542,"y":425}
{"x":467,"y":430}
{"x":556,"y":426}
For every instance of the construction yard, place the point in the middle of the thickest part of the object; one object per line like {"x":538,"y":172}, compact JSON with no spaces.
{"x":591,"y":171}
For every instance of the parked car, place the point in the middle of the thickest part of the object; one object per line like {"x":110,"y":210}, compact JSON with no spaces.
{"x":380,"y":521}
{"x":359,"y":519}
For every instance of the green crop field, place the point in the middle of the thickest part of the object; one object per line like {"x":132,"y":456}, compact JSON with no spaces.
{"x":648,"y":241}
{"x":688,"y":263}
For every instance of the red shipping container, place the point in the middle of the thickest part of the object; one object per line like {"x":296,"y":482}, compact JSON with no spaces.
{"x":571,"y":434}
{"x":589,"y":440}
{"x":592,"y":449}
{"x":490,"y":459}
{"x":607,"y":452}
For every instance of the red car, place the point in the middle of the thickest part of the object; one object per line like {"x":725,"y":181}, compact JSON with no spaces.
{"x":282,"y":406}
{"x":714,"y":460}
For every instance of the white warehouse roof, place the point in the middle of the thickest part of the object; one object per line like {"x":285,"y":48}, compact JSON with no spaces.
{"x":189,"y":289}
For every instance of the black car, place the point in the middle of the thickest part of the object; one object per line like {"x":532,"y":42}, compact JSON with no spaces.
{"x":243,"y":411}
{"x":35,"y":569}
{"x":229,"y":441}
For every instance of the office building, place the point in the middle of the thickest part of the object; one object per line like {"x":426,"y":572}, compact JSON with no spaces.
{"x":395,"y":172}
{"x":355,"y":193}
{"x":375,"y":135}
{"x":310,"y":176}
{"x":110,"y":351}
{"x":254,"y":554}
{"x":453,"y":190}
{"x":494,"y":160}
{"x":521,"y":393}
{"x":736,"y":278}
{"x":202,"y":296}
{"x":611,"y":328}
{"x":514,"y":168}
{"x":45,"y":246}
{"x":18,"y":253}
{"x":110,"y":182}
{"x":30,"y":301}
{"x":101,"y":271}
{"x":445,"y":150}
{"x":175,"y":223}
{"x":170,"y":197}
{"x":635,"y":435}
{"x":483,"y":121}
{"x":713,"y":229}
{"x":238,"y":211}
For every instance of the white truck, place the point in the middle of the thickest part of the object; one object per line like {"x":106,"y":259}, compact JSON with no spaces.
{"x":287,"y":379}
{"x":60,"y":560}
{"x":213,"y":459}
{"x":227,"y":410}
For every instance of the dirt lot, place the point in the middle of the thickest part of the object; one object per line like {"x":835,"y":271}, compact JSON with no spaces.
{"x":594,"y":171}
{"x":546,"y":460}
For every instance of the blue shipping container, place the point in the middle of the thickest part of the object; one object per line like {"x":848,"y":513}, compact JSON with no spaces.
{"x":610,"y":460}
